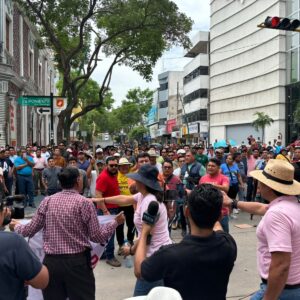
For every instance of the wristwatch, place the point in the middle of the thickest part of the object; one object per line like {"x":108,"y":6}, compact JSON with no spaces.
{"x":234,"y":204}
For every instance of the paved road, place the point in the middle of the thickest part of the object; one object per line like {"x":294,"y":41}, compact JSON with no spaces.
{"x":118,"y":283}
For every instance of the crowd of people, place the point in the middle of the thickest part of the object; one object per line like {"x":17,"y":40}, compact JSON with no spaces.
{"x":198,"y":190}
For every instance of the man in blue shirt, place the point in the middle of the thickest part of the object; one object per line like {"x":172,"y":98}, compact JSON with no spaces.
{"x":24,"y":164}
{"x":18,"y":264}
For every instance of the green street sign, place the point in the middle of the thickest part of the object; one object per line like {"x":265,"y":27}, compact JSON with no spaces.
{"x":42,"y":101}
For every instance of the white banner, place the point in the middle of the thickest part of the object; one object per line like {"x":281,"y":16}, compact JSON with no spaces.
{"x":36,"y":245}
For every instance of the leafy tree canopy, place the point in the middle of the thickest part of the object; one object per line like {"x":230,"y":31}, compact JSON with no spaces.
{"x":131,"y":32}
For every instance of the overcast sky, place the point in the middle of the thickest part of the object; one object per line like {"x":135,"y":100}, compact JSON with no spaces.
{"x":124,"y":78}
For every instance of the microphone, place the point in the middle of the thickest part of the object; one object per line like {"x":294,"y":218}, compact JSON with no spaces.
{"x":150,"y":216}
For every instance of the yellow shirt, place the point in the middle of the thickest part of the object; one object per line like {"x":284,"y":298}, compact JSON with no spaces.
{"x":123,"y":185}
{"x":282,"y":157}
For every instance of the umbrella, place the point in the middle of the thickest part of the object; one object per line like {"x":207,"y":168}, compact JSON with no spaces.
{"x":224,"y":143}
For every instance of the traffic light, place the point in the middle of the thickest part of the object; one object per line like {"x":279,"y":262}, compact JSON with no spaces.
{"x":281,"y":24}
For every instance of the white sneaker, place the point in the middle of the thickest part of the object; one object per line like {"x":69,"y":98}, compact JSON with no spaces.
{"x":235,"y":211}
{"x":232,"y":216}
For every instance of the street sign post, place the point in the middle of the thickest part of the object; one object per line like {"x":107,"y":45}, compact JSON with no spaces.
{"x":42,"y":111}
{"x":41,"y":101}
{"x":44,"y":101}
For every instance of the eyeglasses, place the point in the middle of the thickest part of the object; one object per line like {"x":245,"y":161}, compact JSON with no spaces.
{"x":182,"y":161}
{"x":167,"y":167}
{"x":113,"y":165}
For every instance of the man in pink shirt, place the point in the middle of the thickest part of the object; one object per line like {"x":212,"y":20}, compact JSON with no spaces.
{"x":221,"y":182}
{"x":278,"y":233}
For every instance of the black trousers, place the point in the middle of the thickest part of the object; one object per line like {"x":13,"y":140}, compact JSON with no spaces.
{"x":128,"y":212}
{"x":233,"y":191}
{"x":71,"y":276}
{"x":250,"y":189}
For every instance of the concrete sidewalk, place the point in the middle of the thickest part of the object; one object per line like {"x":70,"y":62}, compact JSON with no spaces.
{"x":118,"y":283}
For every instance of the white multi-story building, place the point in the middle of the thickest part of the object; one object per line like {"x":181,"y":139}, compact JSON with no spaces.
{"x":170,"y":88}
{"x":247,"y":69}
{"x":196,"y":89}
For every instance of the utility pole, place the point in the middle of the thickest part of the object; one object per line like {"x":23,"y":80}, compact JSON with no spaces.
{"x":51,"y":121}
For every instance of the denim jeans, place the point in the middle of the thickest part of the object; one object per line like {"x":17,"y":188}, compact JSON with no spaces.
{"x":25,"y":186}
{"x":110,"y":247}
{"x":293,"y":294}
{"x":225,"y":223}
{"x":143,"y":287}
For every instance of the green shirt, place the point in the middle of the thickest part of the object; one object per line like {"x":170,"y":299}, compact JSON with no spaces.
{"x":202,"y":159}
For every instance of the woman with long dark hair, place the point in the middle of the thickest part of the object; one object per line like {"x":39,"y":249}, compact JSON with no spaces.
{"x":149,"y":190}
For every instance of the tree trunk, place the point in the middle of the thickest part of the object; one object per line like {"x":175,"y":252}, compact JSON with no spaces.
{"x":262,"y":134}
{"x":63,"y":127}
{"x":60,"y":128}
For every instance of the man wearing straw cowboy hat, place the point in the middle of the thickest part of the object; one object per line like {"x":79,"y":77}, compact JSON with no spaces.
{"x":124,"y":168}
{"x":278,"y":232}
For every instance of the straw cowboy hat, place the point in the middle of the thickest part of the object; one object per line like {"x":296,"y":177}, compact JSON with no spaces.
{"x":161,"y":293}
{"x":124,"y":162}
{"x":279,"y":176}
{"x":147,"y":175}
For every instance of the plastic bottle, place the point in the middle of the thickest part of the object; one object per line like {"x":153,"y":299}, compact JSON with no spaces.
{"x":128,"y":259}
{"x":128,"y":262}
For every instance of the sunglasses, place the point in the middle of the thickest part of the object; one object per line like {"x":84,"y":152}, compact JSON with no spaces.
{"x":113,"y":165}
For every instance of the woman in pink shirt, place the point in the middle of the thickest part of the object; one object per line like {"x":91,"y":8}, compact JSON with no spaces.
{"x":221,"y":182}
{"x":149,"y":190}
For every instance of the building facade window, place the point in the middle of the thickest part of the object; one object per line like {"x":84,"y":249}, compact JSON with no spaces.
{"x":163,"y":104}
{"x":199,"y":115}
{"x":40,"y":75}
{"x":163,"y":86}
{"x":31,"y":63}
{"x":7,"y":33}
{"x":162,"y":121}
{"x":202,"y":70}
{"x":292,"y":40}
{"x":201,"y":93}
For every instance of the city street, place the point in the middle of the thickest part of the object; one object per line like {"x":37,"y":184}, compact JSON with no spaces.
{"x":118,"y":283}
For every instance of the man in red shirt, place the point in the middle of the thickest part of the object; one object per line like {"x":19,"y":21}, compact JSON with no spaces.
{"x":107,"y":186}
{"x":221,"y":182}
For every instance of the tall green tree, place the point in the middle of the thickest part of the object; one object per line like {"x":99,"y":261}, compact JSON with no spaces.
{"x":261,"y":122}
{"x":134,"y":108}
{"x":137,"y":133}
{"x":134,"y":33}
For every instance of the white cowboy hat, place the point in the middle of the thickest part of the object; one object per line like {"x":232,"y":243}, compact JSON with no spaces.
{"x":124,"y":162}
{"x":161,"y":293}
{"x":181,"y":151}
{"x":279,"y":176}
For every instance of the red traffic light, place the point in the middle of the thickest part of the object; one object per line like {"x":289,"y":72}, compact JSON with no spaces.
{"x":272,"y":22}
{"x":280,"y":23}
